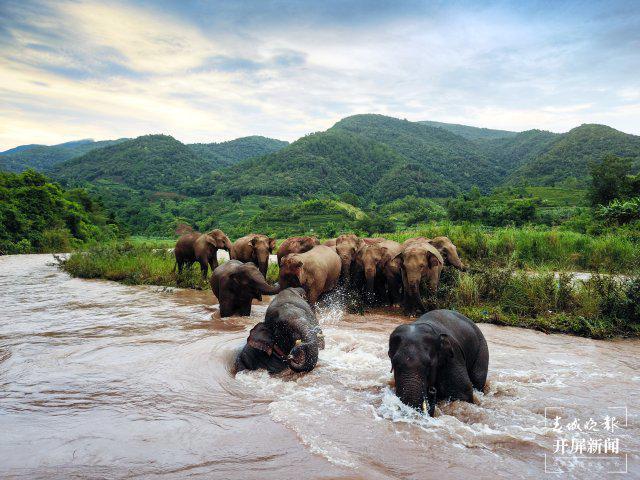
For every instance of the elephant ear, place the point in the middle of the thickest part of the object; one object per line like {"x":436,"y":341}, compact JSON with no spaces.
{"x":433,"y":260}
{"x":394,"y":343}
{"x":240,"y":277}
{"x":260,"y":338}
{"x":446,"y":349}
{"x":211,"y":240}
{"x":272,"y":244}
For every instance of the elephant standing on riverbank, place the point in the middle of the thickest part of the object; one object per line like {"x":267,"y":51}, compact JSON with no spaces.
{"x":316,"y":271}
{"x":236,"y":284}
{"x":202,"y":248}
{"x":296,"y":245}
{"x":449,"y":252}
{"x":418,"y":259}
{"x":442,"y":355}
{"x":289,"y":336}
{"x":371,"y":261}
{"x":254,"y":248}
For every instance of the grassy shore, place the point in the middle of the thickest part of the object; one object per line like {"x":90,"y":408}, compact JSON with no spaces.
{"x":536,"y":247}
{"x":603,"y":306}
{"x":136,"y":263}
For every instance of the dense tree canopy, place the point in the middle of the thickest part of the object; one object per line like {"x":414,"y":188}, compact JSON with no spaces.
{"x":38,"y":215}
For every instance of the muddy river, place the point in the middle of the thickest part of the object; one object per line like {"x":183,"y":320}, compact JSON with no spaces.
{"x":103,"y":380}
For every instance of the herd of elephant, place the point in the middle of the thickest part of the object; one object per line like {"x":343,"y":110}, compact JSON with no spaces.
{"x":442,"y":355}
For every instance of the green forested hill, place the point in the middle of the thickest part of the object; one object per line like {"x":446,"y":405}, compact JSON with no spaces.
{"x":571,"y":153}
{"x":471,"y":133}
{"x":229,"y":153}
{"x":446,"y":154}
{"x":328,"y":162}
{"x":151,"y":162}
{"x":43,"y":158}
{"x":512,"y":152}
{"x":150,"y":182}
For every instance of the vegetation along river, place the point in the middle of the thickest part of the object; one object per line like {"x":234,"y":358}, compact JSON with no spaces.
{"x":99,"y":379}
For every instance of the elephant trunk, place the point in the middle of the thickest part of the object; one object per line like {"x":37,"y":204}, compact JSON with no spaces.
{"x":346,"y":269}
{"x":263,"y":262}
{"x":455,"y":262}
{"x":413,"y":390}
{"x":370,"y":276}
{"x":268,"y":289}
{"x":228,"y":246}
{"x":413,"y":293}
{"x":304,"y":354}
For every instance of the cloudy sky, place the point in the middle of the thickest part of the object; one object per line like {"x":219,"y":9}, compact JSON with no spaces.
{"x":210,"y":71}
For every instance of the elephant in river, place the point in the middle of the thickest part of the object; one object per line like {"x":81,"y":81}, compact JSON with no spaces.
{"x":296,"y":245}
{"x":236,"y":284}
{"x":202,"y":248}
{"x":254,"y":248}
{"x":316,"y":271}
{"x":443,"y":355}
{"x":418,"y":259}
{"x":289,"y":336}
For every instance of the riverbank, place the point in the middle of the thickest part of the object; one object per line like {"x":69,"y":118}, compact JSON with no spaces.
{"x":601,"y":306}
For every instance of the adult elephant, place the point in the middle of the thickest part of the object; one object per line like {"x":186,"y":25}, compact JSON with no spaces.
{"x":316,"y":271}
{"x":448,"y":251}
{"x":254,"y":248}
{"x":371,"y":260}
{"x":418,"y":259}
{"x":202,"y":248}
{"x":289,"y":336}
{"x":445,"y":247}
{"x":442,"y":355}
{"x":296,"y":245}
{"x":236,"y":284}
{"x":347,"y":246}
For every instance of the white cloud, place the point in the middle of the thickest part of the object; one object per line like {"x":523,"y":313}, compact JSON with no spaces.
{"x":90,"y":69}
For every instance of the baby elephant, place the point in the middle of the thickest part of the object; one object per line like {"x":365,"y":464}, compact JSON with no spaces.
{"x":235,"y":284}
{"x":442,"y":355}
{"x":289,"y":336}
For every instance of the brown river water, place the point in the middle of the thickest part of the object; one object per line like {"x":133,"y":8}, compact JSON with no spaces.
{"x":99,"y":379}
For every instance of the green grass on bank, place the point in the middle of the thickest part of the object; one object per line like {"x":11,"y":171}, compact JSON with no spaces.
{"x":534,"y":248}
{"x":604,"y":306}
{"x":135,"y":263}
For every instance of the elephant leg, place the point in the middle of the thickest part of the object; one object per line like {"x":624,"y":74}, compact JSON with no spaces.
{"x":245,"y":308}
{"x":226,"y":309}
{"x":312,"y":296}
{"x":213,"y":261}
{"x":393,"y":290}
{"x":180,"y":266}
{"x":455,"y":383}
{"x":204,"y":268}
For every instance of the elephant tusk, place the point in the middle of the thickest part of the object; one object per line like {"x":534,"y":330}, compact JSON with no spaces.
{"x":298,"y":342}
{"x":424,"y":406}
